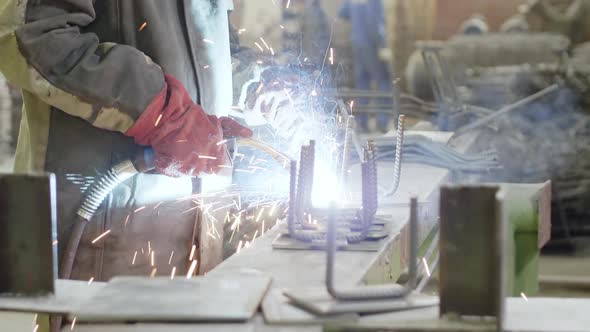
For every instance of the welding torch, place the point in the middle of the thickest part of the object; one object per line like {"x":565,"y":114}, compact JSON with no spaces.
{"x":143,"y":162}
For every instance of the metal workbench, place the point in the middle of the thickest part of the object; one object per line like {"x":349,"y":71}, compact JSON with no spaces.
{"x":294,"y":268}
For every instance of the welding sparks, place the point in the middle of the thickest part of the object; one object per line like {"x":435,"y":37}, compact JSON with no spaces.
{"x":314,"y":93}
{"x":101,"y":236}
{"x":90,"y":280}
{"x":36,"y":328}
{"x":331,"y":56}
{"x":288,"y":4}
{"x":206,"y":67}
{"x":223,"y":207}
{"x":191,"y":209}
{"x":54,"y":243}
{"x":170,"y":259}
{"x":192,"y":255}
{"x":142,"y":26}
{"x":173,"y":273}
{"x":207,"y":157}
{"x":426,"y":268}
{"x":134,"y":257}
{"x":272,"y":51}
{"x":239,"y":247}
{"x":149,"y":247}
{"x":221,"y":142}
{"x":260,"y":47}
{"x":259,"y":89}
{"x":153,"y":253}
{"x":208,"y":41}
{"x":281,"y":26}
{"x":139,"y":209}
{"x":191,"y":270}
{"x":265,"y":44}
{"x":153,"y":274}
{"x":241,"y":31}
{"x":158,"y":120}
{"x":73,"y":324}
{"x":259,"y":215}
{"x":524,"y":297}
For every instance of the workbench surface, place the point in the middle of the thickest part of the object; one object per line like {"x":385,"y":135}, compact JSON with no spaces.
{"x":295,"y":268}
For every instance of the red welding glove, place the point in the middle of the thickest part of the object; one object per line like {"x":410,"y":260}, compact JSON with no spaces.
{"x":185,"y":139}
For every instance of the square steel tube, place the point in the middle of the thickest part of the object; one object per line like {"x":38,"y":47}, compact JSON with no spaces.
{"x":28,"y":253}
{"x":472,"y":237}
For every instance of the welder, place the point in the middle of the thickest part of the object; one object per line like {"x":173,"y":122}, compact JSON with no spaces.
{"x":101,"y":81}
{"x":368,"y":36}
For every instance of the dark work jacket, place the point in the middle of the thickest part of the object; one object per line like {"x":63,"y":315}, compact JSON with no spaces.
{"x":87,"y":70}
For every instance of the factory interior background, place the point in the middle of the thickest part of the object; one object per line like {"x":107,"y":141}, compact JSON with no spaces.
{"x":526,"y":61}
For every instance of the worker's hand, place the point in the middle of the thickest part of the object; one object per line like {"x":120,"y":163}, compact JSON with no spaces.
{"x":185,"y":139}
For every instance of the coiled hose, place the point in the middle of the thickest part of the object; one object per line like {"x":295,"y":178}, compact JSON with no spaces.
{"x":92,"y":200}
{"x":94,"y":196}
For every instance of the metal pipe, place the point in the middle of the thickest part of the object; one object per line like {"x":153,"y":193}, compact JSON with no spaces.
{"x":507,"y":109}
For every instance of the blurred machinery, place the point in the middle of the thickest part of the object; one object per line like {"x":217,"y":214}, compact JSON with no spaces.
{"x":542,"y":45}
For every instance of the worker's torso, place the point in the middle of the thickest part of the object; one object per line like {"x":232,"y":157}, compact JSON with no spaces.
{"x":188,"y":39}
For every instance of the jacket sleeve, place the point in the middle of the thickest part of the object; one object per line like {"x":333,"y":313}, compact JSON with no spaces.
{"x":45,"y":51}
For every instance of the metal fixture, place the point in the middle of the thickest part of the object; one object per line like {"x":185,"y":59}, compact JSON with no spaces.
{"x":372,"y":292}
{"x":301,"y":210}
{"x":359,"y":222}
{"x":507,"y":109}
